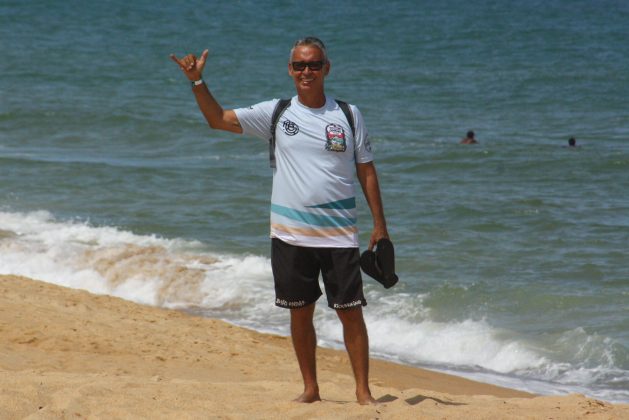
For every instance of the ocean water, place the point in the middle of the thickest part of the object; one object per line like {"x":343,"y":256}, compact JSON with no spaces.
{"x":512,"y":253}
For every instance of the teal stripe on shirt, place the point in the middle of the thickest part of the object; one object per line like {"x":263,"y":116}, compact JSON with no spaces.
{"x":313,"y":219}
{"x":345,"y":204}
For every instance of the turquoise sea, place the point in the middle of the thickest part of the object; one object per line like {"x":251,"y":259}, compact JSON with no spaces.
{"x":512,"y":253}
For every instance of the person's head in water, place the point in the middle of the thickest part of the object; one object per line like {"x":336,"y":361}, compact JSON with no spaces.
{"x":469,"y":138}
{"x":572,"y":142}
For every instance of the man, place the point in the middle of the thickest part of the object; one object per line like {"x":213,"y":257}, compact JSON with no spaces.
{"x":313,"y":211}
{"x":469,"y":139}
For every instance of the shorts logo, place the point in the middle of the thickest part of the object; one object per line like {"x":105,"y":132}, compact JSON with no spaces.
{"x":290,"y":128}
{"x":286,"y":304}
{"x":347,"y":305}
{"x":335,"y":138}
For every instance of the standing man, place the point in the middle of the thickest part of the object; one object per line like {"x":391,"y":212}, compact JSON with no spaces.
{"x":313,"y":204}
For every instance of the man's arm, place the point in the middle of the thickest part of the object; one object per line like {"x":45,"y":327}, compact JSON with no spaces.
{"x":216,"y":116}
{"x":368,"y":178}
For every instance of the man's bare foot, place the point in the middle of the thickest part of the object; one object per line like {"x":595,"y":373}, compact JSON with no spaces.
{"x":366,"y":399}
{"x":308,"y":397}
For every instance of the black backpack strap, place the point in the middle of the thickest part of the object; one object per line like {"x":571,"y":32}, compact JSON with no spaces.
{"x":348,"y":114}
{"x":280,"y":107}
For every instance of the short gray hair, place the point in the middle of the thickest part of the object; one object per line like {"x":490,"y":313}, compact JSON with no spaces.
{"x":308,"y":41}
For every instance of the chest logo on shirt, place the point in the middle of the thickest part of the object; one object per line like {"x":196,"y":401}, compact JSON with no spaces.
{"x":335,"y":138}
{"x":290,"y":128}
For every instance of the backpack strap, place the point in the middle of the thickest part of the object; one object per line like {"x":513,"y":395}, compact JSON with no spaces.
{"x":348,"y":114}
{"x":280,"y":107}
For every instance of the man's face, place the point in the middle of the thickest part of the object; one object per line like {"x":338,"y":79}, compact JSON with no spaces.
{"x":307,"y":79}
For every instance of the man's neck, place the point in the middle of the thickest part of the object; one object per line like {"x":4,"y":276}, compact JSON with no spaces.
{"x":312,"y":101}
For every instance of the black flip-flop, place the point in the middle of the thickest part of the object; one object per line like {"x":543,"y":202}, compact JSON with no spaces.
{"x":380,"y":264}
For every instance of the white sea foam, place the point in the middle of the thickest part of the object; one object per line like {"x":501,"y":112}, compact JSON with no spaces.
{"x":140,"y":268}
{"x":469,"y":343}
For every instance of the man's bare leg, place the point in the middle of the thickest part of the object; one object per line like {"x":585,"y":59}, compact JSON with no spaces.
{"x":305,"y":343}
{"x":357,"y":345}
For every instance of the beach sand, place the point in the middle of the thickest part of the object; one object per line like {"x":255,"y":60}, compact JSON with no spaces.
{"x":67,"y":353}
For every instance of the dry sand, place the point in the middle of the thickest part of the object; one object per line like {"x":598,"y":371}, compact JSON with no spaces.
{"x":67,"y":353}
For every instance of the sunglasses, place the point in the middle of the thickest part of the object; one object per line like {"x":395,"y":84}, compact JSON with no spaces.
{"x":312,"y":65}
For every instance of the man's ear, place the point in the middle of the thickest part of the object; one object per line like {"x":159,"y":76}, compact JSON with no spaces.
{"x":326,"y":68}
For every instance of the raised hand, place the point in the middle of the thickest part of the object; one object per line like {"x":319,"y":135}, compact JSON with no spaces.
{"x":191,"y":66}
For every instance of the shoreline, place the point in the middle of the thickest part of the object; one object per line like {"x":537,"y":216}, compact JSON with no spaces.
{"x":68,"y":352}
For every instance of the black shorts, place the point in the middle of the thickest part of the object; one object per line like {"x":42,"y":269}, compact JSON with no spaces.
{"x":296,"y":272}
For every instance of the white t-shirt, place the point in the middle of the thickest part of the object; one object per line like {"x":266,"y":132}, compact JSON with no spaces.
{"x":313,"y":202}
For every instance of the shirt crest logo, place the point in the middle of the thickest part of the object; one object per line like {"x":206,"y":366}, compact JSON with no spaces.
{"x":335,"y":138}
{"x":290,"y":128}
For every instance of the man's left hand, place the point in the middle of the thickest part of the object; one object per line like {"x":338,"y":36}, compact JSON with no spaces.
{"x":376,"y":235}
